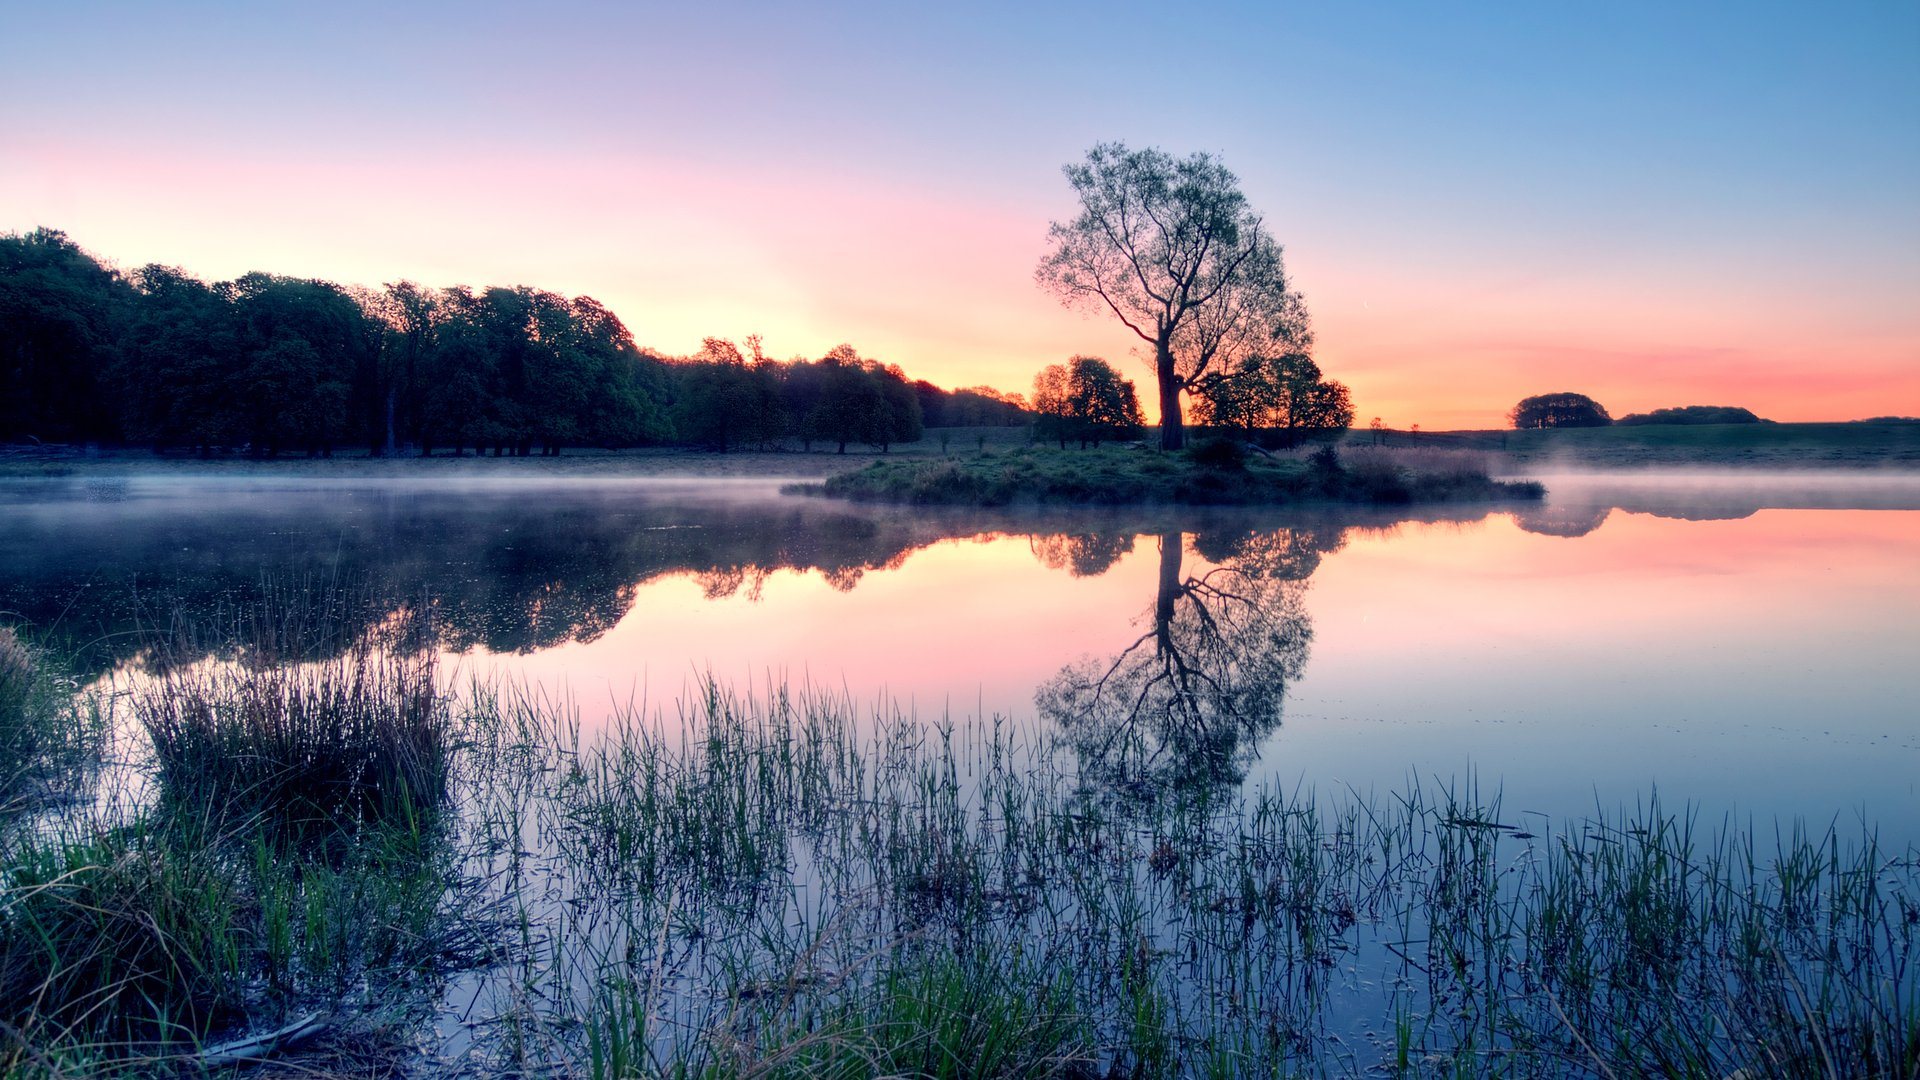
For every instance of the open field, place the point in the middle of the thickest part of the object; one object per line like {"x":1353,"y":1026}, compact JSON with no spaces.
{"x":1771,"y":446}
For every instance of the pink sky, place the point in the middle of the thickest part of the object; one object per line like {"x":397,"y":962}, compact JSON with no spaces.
{"x":1690,"y":211}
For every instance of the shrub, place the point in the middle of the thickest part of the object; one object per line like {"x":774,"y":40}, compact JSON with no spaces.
{"x":1223,"y":454}
{"x":1323,"y":465}
{"x":1375,"y":477}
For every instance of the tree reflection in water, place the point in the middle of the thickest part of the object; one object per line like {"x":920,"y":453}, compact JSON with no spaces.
{"x":1184,"y":705}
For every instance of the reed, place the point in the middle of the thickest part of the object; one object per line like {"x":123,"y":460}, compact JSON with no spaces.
{"x":790,"y":883}
{"x":361,"y":736}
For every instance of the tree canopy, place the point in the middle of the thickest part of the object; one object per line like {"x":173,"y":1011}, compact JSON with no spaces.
{"x":1563,"y":409}
{"x":1171,"y":248}
{"x":1084,"y":399}
{"x":1693,"y":414}
{"x":268,"y":364}
{"x":1284,"y":395}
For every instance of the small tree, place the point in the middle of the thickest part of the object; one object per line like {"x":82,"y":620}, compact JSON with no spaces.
{"x":1053,"y":405}
{"x":1084,"y":399}
{"x":1283,"y":393}
{"x":1563,"y":409}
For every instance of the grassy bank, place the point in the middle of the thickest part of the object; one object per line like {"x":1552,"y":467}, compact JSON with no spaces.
{"x":1216,"y":474}
{"x":1777,"y":446}
{"x":1771,"y":446}
{"x":785,"y":458}
{"x":790,"y":885}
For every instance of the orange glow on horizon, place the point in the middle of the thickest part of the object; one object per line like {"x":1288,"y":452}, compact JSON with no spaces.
{"x":940,"y":282}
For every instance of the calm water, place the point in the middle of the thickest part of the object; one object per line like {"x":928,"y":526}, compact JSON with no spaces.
{"x":1749,"y":644}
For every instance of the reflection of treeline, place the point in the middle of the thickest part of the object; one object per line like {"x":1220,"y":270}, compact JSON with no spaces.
{"x":273,"y":364}
{"x":496,"y":569}
{"x":498,"y":572}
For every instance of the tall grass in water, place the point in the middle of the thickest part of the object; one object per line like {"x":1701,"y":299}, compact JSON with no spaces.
{"x":722,"y":892}
{"x":790,"y":885}
{"x":361,"y":736}
{"x":20,"y":735}
{"x":287,"y":858}
{"x":47,"y":738}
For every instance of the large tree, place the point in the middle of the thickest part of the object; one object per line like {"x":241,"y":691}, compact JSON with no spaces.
{"x":1172,"y":249}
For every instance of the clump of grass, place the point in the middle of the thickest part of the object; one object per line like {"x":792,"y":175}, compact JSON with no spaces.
{"x":117,"y":937}
{"x":362,"y":736}
{"x":930,"y":1015}
{"x":47,"y":736}
{"x":20,"y":739}
{"x":127,"y":947}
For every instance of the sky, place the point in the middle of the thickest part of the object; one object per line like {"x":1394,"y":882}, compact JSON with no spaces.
{"x":1654,"y":204}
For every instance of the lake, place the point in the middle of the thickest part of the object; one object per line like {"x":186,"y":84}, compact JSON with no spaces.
{"x":1252,"y":753}
{"x":1743,"y":642}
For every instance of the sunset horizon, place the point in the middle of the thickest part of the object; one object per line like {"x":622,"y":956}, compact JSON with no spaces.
{"x":1712,"y":213}
{"x":1001,"y":541}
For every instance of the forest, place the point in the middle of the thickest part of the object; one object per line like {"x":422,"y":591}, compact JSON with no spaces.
{"x":266,"y":365}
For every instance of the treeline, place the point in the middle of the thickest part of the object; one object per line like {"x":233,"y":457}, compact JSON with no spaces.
{"x":1693,"y":414}
{"x":275,"y":364}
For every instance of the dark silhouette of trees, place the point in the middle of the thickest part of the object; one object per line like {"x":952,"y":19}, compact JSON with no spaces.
{"x":271,"y":364}
{"x":862,"y":401}
{"x":1284,"y":394}
{"x":1563,"y":409}
{"x":1693,"y":414}
{"x":1084,"y":399}
{"x":1171,"y":249}
{"x":728,"y":400}
{"x":58,"y":309}
{"x":971,"y":406}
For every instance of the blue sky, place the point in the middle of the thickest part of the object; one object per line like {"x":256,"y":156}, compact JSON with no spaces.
{"x":1654,"y":203}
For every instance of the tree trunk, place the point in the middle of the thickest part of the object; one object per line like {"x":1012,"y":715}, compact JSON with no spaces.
{"x":1172,"y":547}
{"x":388,"y":448}
{"x":1173,"y":434}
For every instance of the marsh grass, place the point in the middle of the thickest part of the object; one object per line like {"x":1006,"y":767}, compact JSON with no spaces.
{"x":750,"y":884}
{"x":275,"y":842}
{"x":790,"y":884}
{"x":363,"y":736}
{"x":48,"y":737}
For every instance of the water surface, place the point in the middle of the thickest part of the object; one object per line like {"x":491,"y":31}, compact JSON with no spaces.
{"x":1747,"y":643}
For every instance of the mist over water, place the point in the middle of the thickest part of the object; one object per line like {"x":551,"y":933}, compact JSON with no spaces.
{"x":1742,"y":641}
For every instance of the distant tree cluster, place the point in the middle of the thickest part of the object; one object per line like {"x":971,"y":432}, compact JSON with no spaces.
{"x":1564,"y":409}
{"x":276,"y":364}
{"x":1693,"y":414}
{"x":1084,"y":400}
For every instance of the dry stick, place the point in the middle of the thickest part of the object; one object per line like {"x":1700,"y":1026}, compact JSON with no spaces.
{"x":1813,"y":1019}
{"x":1599,"y":1062}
